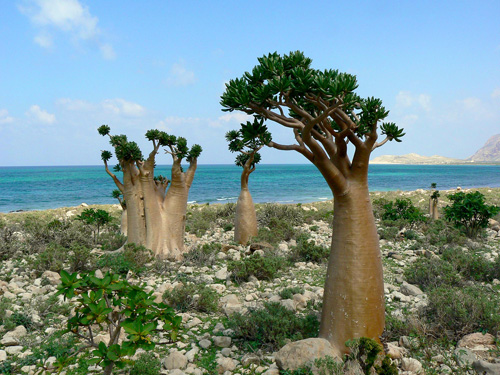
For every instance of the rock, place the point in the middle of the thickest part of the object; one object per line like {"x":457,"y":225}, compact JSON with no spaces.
{"x":410,"y":290}
{"x":193,"y":323}
{"x":175,"y":360}
{"x":409,"y":342}
{"x":221,"y":274}
{"x":486,"y":368}
{"x":476,"y":339}
{"x":225,"y":364}
{"x":464,"y":357}
{"x":53,"y":277}
{"x":205,"y":344}
{"x":299,"y":301}
{"x":11,"y":338}
{"x":288,"y":304}
{"x":394,"y":351}
{"x":231,"y":304}
{"x":176,"y":372}
{"x":249,"y":359}
{"x":226,"y":352}
{"x":411,"y":364}
{"x":300,"y":353}
{"x":260,"y":246}
{"x":191,"y":355}
{"x":3,"y":355}
{"x":14,"y":350}
{"x":222,"y":341}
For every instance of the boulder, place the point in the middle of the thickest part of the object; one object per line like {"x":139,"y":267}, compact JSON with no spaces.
{"x":486,"y":368}
{"x":53,"y":277}
{"x":412,"y":364}
{"x":304,"y":352}
{"x":476,"y":339}
{"x":225,"y":364}
{"x":222,"y":341}
{"x":410,"y":290}
{"x":175,"y":360}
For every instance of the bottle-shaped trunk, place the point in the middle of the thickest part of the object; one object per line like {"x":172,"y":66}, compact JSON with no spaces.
{"x":353,"y":302}
{"x":136,"y":224}
{"x":174,"y":222}
{"x":124,"y":222}
{"x":433,"y":209}
{"x":245,"y":225}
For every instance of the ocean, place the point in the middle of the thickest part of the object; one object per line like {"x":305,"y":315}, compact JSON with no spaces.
{"x":39,"y":188}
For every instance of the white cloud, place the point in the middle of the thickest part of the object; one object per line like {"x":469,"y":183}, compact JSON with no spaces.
{"x":495,"y":93}
{"x":4,"y":117}
{"x":107,"y":51}
{"x":117,"y":106}
{"x":406,"y":99}
{"x":235,"y":117}
{"x":180,"y":76}
{"x":67,"y":16}
{"x":40,"y":115}
{"x":44,"y":40}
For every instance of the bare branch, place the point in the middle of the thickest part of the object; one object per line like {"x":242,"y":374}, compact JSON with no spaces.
{"x":118,"y":183}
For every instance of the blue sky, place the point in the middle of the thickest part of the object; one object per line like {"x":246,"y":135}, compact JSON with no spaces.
{"x":69,"y":66}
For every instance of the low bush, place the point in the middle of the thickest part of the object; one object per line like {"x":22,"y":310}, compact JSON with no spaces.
{"x":432,"y":273}
{"x":269,"y":213}
{"x":277,"y":230}
{"x":272,"y":325}
{"x":189,"y":297}
{"x":200,"y":219}
{"x":133,"y":258}
{"x":288,"y":293}
{"x":112,"y":240}
{"x":308,"y":251}
{"x":469,"y":212}
{"x":470,"y":265}
{"x":388,"y":232}
{"x":404,"y":211}
{"x":146,"y":364}
{"x":439,"y":233}
{"x":262,"y":267}
{"x":52,"y":258}
{"x":204,"y":255}
{"x":458,"y":311}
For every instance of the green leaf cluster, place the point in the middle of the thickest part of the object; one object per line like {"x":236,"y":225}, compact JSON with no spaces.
{"x":250,"y":138}
{"x":116,"y":304}
{"x":403,"y":209}
{"x":96,"y":218}
{"x":290,"y":78}
{"x":127,"y":151}
{"x":469,"y":212}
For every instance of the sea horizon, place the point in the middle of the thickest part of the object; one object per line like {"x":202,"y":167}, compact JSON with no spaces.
{"x":44,"y":187}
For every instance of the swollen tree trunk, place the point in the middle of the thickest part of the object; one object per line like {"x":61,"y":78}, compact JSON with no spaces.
{"x":124,"y":221}
{"x":132,"y":193}
{"x":433,"y":209}
{"x":353,"y":301}
{"x":245,"y":224}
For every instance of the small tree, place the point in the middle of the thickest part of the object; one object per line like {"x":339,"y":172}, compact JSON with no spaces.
{"x":433,"y":202}
{"x":116,"y":304}
{"x":96,"y":219}
{"x":403,"y":209}
{"x":247,"y":142}
{"x":469,"y":212}
{"x":325,"y":115}
{"x":156,"y":217}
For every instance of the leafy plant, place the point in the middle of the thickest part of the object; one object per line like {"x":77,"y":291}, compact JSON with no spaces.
{"x":133,"y":258}
{"x":115,"y":303}
{"x":403,"y":209}
{"x":96,"y":218}
{"x":272,"y":325}
{"x":288,"y":293}
{"x":146,"y":364}
{"x":197,"y":297}
{"x":262,"y":267}
{"x":308,"y":251}
{"x":469,"y":212}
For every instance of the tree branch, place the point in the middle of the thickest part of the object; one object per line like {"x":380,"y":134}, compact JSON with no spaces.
{"x":118,"y":183}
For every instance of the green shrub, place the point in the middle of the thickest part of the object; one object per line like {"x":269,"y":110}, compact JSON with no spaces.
{"x":81,"y":258}
{"x":403,"y":209}
{"x":197,"y":297}
{"x":112,"y":240}
{"x":457,"y":311}
{"x":146,"y":364}
{"x":200,"y":219}
{"x":365,"y":352}
{"x":52,"y":258}
{"x":432,"y":273}
{"x":19,"y":319}
{"x":288,"y":293}
{"x":278,"y":230}
{"x":133,"y":258}
{"x":470,"y":265}
{"x":308,"y":251}
{"x":262,"y":267}
{"x":469,"y":212}
{"x":204,"y":255}
{"x":271,"y":325}
{"x":115,"y":303}
{"x":269,"y":213}
{"x":9,"y":243}
{"x":439,"y":233}
{"x":96,"y":219}
{"x":389,"y":233}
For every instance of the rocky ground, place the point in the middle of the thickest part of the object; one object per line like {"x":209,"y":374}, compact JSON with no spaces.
{"x":208,"y":344}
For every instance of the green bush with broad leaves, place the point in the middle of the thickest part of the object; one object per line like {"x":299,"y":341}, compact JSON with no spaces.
{"x":469,"y":212}
{"x":96,"y":219}
{"x":118,"y":305}
{"x":403,"y":210}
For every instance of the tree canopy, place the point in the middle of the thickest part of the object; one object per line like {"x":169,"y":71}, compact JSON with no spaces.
{"x":247,"y":141}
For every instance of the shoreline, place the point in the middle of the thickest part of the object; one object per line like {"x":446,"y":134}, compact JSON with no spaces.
{"x":418,"y":193}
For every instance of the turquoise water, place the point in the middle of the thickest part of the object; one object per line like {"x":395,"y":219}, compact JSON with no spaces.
{"x":38,"y":188}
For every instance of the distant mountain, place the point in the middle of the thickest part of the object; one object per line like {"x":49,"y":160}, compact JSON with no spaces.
{"x":414,"y":159}
{"x":489,"y":152}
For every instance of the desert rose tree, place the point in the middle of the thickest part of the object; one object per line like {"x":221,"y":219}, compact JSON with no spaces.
{"x":156,"y":206}
{"x":247,"y":141}
{"x":325,"y":116}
